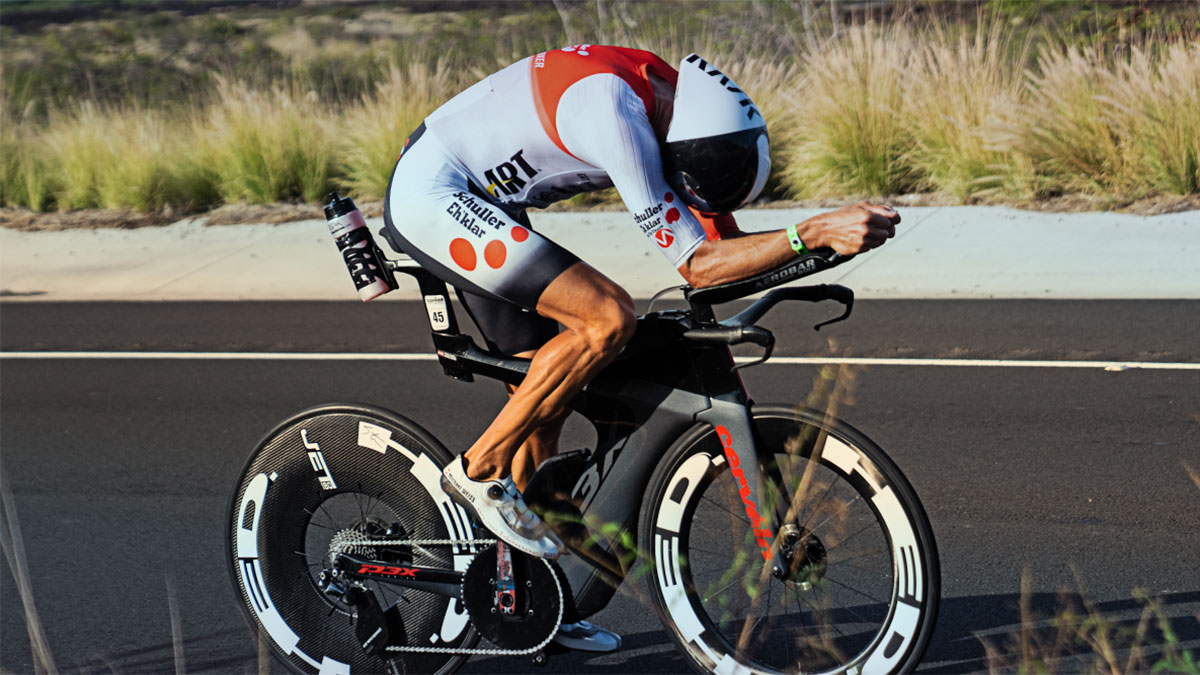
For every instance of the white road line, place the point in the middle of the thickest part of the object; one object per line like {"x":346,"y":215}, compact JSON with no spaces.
{"x":984,"y":363}
{"x":778,"y":360}
{"x":221,"y":356}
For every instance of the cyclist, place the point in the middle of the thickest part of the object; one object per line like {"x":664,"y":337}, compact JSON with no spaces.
{"x":683,"y":148}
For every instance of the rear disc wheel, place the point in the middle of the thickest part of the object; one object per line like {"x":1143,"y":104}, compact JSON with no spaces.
{"x":331,"y":470}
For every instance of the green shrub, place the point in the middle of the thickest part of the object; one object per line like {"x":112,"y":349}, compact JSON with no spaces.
{"x":372,"y":134}
{"x":851,"y":136}
{"x":959,"y":89}
{"x":267,"y":146}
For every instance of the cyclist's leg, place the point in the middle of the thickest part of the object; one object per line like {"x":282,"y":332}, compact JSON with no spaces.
{"x":448,"y":226}
{"x":515,"y":331}
{"x":598,"y":319}
{"x":511,"y":330}
{"x":540,"y":445}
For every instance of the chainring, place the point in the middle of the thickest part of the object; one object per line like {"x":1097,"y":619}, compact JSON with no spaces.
{"x":538,"y":605}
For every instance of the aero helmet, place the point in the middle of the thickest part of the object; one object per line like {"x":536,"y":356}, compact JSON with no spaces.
{"x":717,"y":154}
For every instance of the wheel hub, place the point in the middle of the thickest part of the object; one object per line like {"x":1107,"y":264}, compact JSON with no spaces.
{"x":805,"y":554}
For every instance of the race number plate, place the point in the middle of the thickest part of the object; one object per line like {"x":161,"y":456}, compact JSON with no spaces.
{"x":436,"y":306}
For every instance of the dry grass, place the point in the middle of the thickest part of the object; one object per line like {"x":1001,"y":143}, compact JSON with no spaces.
{"x":13,"y":546}
{"x":1124,"y":127}
{"x":958,"y":88}
{"x":877,"y":110}
{"x":850,"y":131}
{"x":375,"y":130}
{"x":1080,"y":638}
{"x":267,"y":146}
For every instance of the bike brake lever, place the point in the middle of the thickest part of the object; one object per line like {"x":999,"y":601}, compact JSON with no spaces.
{"x":843,"y":295}
{"x":761,"y":337}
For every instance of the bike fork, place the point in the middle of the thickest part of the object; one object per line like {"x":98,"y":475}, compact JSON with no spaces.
{"x":751,"y":470}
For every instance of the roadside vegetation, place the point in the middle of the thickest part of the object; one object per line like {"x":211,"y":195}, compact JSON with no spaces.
{"x":1000,"y":101}
{"x":1080,"y":638}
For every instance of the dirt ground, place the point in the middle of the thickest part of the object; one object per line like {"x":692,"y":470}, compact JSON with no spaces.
{"x":237,"y":214}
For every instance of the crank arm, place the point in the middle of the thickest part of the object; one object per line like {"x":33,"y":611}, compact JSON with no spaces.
{"x":434,"y":580}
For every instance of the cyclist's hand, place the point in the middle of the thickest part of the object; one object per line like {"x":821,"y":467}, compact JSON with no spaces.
{"x":850,"y":229}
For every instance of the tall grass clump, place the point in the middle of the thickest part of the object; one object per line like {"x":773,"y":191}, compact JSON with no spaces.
{"x":960,"y":88}
{"x":76,"y":143}
{"x":1065,"y":131}
{"x":373,"y":133}
{"x":267,"y":146}
{"x":25,"y":177}
{"x":1154,"y":109}
{"x":1123,"y":127}
{"x":121,"y":158}
{"x":851,"y":135}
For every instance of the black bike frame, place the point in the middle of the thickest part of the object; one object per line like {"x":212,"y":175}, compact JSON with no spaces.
{"x":677,"y":373}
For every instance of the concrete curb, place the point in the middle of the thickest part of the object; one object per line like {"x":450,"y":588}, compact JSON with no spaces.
{"x":939,"y":252}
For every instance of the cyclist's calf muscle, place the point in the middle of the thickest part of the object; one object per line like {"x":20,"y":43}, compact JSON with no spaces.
{"x":598,"y":319}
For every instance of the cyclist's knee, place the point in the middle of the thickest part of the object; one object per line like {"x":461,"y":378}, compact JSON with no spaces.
{"x":611,"y":324}
{"x":591,"y":305}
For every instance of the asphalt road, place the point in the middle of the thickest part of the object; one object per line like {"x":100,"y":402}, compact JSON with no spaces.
{"x":121,"y":469}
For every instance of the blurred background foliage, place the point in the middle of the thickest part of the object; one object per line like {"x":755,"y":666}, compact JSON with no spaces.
{"x":200,"y":102}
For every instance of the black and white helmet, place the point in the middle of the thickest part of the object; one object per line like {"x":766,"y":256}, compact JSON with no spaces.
{"x":717,"y":154}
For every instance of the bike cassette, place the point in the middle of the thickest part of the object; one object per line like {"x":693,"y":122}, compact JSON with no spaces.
{"x":529,"y":616}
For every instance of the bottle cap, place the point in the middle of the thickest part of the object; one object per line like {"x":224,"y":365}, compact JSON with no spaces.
{"x":338,"y":206}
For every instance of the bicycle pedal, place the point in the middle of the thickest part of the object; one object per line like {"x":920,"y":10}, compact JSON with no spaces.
{"x":545,"y":496}
{"x":551,"y":475}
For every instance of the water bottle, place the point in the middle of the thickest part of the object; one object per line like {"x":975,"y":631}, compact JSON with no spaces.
{"x":362,"y":256}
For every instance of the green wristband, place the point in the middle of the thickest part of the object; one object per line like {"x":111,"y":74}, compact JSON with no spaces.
{"x":794,"y":239}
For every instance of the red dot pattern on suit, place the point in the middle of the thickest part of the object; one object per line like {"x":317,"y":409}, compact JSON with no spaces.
{"x":519,"y":233}
{"x":463,"y":254}
{"x":669,"y":198}
{"x":495,"y":254}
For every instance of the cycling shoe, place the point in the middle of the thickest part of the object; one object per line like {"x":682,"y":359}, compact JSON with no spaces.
{"x":587,"y":637}
{"x":498,"y":505}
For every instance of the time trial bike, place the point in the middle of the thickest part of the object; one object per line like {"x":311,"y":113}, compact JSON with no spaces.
{"x":772,"y":538}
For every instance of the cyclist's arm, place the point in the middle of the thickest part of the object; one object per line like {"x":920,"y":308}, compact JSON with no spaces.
{"x":849,"y":230}
{"x":604,"y":123}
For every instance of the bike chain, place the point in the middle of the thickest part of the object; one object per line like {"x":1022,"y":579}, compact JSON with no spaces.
{"x":347,"y":540}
